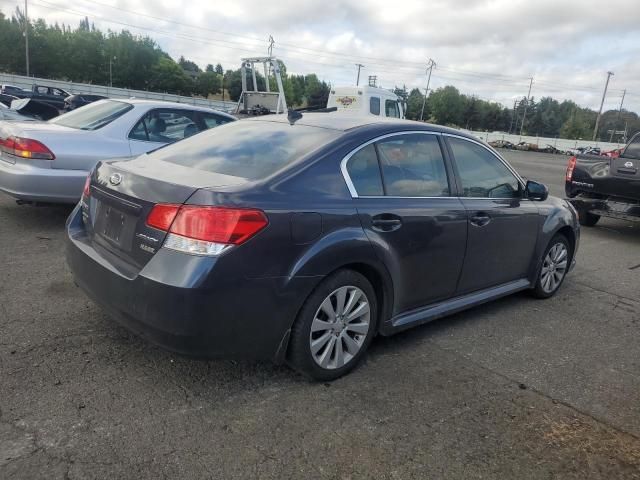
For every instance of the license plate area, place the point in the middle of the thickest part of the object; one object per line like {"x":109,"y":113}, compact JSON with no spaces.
{"x":114,"y":226}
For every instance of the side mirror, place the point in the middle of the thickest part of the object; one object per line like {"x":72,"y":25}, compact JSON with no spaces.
{"x":536,"y":191}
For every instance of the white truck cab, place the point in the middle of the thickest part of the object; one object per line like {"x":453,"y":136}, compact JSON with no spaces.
{"x":366,"y":100}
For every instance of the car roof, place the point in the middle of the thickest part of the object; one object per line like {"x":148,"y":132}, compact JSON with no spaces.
{"x":346,"y":122}
{"x":166,"y":104}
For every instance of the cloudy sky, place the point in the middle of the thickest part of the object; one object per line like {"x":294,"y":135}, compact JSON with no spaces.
{"x":489,"y":48}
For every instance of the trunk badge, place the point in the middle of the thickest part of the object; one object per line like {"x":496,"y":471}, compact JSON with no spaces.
{"x":115,"y":179}
{"x":628,"y":164}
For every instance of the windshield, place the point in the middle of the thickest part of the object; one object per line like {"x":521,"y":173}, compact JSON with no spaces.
{"x":93,"y":116}
{"x":633,"y":149}
{"x":246,"y":149}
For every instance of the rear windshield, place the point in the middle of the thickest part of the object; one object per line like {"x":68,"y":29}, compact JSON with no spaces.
{"x":93,"y":116}
{"x":246,"y":149}
{"x":633,"y":149}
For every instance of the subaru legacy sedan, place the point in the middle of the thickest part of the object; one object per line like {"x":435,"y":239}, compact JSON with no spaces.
{"x":298,"y":239}
{"x":48,"y":162}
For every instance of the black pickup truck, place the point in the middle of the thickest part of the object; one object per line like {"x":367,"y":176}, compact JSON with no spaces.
{"x":601,"y":186}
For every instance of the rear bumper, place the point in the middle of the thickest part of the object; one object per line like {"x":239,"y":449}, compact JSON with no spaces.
{"x":622,"y":210}
{"x":34,"y":184}
{"x":180,"y":302}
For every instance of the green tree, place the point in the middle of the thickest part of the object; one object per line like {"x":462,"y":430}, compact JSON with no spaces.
{"x":576,"y":127}
{"x":415,"y":100}
{"x":208,"y":82}
{"x":219,"y":70}
{"x":168,"y":76}
{"x":447,"y":106}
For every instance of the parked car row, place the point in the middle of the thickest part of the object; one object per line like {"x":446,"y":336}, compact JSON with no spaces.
{"x":58,"y":99}
{"x":548,"y":148}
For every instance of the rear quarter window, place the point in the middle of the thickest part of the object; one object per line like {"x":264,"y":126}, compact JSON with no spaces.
{"x":633,"y":149}
{"x":247,"y":149}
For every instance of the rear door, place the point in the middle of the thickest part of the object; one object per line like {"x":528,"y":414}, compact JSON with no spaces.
{"x":161,"y":126}
{"x":503,"y":226}
{"x":400,"y":185}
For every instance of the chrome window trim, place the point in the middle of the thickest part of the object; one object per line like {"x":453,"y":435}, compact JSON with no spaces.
{"x":495,"y":154}
{"x":345,"y":160}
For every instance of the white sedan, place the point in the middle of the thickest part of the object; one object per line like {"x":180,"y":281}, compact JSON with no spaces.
{"x":49,"y":161}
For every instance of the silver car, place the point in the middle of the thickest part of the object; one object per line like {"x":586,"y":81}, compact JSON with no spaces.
{"x":49,"y":161}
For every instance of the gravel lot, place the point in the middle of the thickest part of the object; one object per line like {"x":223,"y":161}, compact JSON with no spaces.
{"x":519,"y":388}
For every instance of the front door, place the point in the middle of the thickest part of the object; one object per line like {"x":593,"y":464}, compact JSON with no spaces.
{"x":503,"y":226}
{"x":403,"y":198}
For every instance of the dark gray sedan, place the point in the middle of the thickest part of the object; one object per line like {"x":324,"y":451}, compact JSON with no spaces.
{"x":299,"y":239}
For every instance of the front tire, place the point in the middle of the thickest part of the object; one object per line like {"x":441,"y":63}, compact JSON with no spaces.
{"x":334,"y":327}
{"x":554,"y":267}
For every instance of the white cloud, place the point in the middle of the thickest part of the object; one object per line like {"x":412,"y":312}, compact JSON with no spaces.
{"x":567,"y":45}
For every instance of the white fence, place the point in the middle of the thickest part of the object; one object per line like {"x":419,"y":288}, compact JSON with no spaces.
{"x":559,"y":143}
{"x":112,"y":92}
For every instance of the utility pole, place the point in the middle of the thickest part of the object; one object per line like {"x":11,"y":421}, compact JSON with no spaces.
{"x":359,"y":65}
{"x":424,"y":100}
{"x":524,"y":114}
{"x":430,"y":65}
{"x":604,"y":94}
{"x":613,"y":130}
{"x":26,"y":34}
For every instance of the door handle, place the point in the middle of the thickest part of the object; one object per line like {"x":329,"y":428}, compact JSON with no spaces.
{"x":386,"y":222}
{"x":480,"y":219}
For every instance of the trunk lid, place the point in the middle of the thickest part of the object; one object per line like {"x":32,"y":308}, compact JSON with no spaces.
{"x":122,"y":194}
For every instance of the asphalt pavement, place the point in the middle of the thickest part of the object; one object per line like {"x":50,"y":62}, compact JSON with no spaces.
{"x":519,"y":388}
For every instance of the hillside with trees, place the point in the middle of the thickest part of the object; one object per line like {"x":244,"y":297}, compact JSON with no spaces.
{"x":87,"y":55}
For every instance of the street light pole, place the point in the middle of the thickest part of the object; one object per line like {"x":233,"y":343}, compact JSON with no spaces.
{"x":604,"y":94}
{"x":26,"y":35}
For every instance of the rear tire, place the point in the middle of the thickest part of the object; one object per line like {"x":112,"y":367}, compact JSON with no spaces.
{"x":587,"y":219}
{"x":554,"y":267}
{"x":334,"y":327}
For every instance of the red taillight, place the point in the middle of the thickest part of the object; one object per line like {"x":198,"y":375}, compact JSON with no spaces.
{"x":222,"y":225}
{"x":26,"y":148}
{"x":162,"y":216}
{"x":86,"y":191}
{"x":570,"y":168}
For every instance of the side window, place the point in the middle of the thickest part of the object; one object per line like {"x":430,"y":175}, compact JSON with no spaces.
{"x":413,"y":166}
{"x":391,"y":108}
{"x":165,"y":126}
{"x":365,"y":173}
{"x":211,"y":120}
{"x":140,"y":130}
{"x":374,"y":105}
{"x":42,"y":90}
{"x":482,"y":173}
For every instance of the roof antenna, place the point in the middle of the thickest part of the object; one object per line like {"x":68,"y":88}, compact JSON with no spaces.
{"x":293,"y":115}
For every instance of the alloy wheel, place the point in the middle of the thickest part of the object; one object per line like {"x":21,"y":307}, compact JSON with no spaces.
{"x":554,"y":267}
{"x":340,"y":327}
